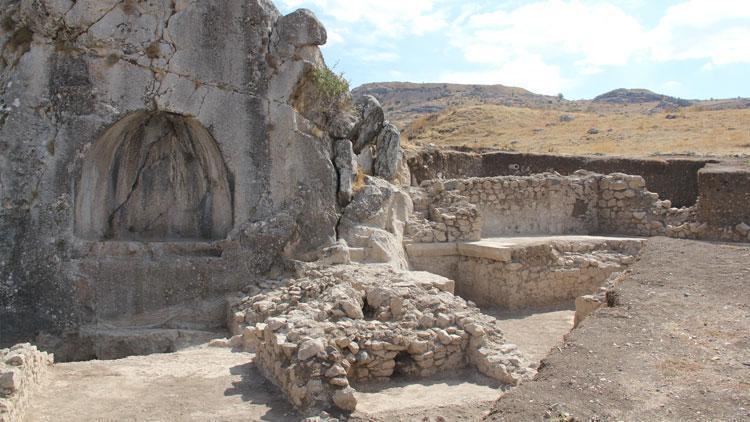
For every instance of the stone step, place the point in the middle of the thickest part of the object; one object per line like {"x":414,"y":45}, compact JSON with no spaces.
{"x":500,"y":249}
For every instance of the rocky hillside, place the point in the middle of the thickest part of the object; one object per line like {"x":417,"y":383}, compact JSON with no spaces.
{"x":405,"y":101}
{"x":639,"y":96}
{"x":515,"y":119}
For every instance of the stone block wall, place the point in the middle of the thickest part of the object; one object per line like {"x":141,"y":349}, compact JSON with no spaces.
{"x":537,"y":204}
{"x":582,"y":203}
{"x":542,"y":275}
{"x":442,"y":215}
{"x":676,"y":179}
{"x":626,"y":207}
{"x":530,"y":275}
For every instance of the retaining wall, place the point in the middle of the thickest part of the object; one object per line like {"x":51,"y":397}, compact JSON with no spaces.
{"x":582,"y":203}
{"x":675,"y":179}
{"x":531,"y":274}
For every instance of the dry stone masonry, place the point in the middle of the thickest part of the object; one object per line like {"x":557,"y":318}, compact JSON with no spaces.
{"x":22,"y":368}
{"x":526,"y":273}
{"x":329,"y":328}
{"x":548,"y":203}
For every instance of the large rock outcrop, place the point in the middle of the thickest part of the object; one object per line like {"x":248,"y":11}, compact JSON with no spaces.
{"x":157,"y":137}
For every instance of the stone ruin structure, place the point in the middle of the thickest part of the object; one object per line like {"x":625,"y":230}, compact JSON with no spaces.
{"x":170,"y":168}
{"x":22,"y":369}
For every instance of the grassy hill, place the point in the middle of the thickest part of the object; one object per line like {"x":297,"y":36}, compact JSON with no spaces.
{"x":404,"y":102}
{"x":621,"y":122}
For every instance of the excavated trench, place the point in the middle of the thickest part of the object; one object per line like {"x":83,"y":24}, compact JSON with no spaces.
{"x":530,"y":284}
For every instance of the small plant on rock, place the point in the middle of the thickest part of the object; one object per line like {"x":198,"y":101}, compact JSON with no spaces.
{"x":332,"y":87}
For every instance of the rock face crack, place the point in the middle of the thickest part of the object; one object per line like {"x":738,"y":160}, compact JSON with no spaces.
{"x":162,"y":177}
{"x":104,"y":15}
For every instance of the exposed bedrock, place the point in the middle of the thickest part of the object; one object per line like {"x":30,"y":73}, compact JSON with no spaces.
{"x":373,"y":224}
{"x":154,"y":176}
{"x":158,"y":137}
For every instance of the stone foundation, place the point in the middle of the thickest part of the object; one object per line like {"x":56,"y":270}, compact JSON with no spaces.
{"x":517,"y":273}
{"x":676,"y":179}
{"x":22,"y":369}
{"x":331,"y":327}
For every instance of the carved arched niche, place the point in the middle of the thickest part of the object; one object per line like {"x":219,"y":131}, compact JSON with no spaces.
{"x":154,"y":176}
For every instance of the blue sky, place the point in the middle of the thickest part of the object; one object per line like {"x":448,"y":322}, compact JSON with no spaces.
{"x":580,"y":48}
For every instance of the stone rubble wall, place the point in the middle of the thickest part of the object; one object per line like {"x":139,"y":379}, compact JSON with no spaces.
{"x":548,"y":203}
{"x":676,"y":179}
{"x":443,"y":216}
{"x":532,"y":205}
{"x":22,"y":369}
{"x":557,"y":277}
{"x":330,"y":327}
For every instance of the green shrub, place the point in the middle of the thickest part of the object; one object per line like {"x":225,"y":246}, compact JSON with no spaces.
{"x":331,"y":86}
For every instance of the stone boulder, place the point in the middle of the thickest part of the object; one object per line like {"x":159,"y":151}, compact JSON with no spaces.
{"x":371,"y":120}
{"x":374,"y":222}
{"x":389,"y":156}
{"x":346,"y":165}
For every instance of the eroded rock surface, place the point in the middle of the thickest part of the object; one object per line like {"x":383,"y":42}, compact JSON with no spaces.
{"x":148,"y":123}
{"x":373,"y":223}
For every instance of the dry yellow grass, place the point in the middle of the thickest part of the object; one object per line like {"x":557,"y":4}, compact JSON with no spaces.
{"x":626,"y":132}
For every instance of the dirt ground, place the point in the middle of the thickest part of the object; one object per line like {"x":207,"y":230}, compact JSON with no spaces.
{"x":215,"y":384}
{"x":620,"y":131}
{"x":200,"y":384}
{"x":677,"y":348}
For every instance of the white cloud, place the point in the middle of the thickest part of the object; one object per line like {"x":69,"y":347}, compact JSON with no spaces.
{"x":544,"y":45}
{"x":520,"y":45}
{"x":378,"y":19}
{"x":528,"y":71}
{"x":713,"y":30}
{"x":596,"y":34}
{"x":584,"y":38}
{"x":377,"y":56}
{"x":334,"y":37}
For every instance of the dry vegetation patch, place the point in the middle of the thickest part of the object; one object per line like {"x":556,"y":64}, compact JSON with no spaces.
{"x":620,"y":131}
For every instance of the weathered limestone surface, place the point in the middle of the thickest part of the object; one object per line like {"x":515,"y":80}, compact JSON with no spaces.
{"x":370,"y":123}
{"x":346,"y":165}
{"x":22,"y":369}
{"x":153,"y":122}
{"x":330,"y":326}
{"x":389,"y":157}
{"x":373,"y":224}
